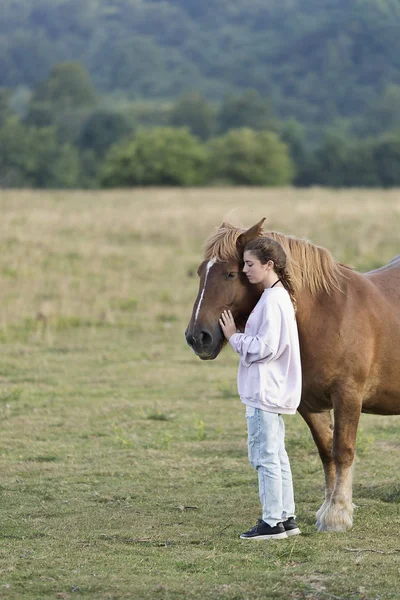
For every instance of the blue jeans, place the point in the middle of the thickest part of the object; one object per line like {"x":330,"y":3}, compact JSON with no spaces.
{"x":267,"y":454}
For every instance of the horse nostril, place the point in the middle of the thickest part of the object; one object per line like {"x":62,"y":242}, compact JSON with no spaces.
{"x":205,"y":337}
{"x":189,"y":338}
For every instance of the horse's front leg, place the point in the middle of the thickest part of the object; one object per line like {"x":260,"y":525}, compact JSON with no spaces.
{"x":321,"y":428}
{"x":338,"y":514}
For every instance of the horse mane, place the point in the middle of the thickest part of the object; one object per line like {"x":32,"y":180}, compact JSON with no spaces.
{"x":310,"y":266}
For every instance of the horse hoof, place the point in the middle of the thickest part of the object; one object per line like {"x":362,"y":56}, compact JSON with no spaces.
{"x":320,"y":513}
{"x":329,"y":527}
{"x":336,"y":518}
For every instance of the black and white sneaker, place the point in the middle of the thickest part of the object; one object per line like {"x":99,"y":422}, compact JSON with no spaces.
{"x":263,"y":531}
{"x":291,"y":526}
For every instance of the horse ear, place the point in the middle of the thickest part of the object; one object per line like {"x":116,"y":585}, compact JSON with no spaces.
{"x":250,"y":234}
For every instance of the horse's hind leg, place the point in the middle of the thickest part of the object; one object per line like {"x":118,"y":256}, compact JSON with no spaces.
{"x":338,"y":515}
{"x":320,"y":425}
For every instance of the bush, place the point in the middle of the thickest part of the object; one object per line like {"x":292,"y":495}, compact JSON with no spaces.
{"x":247,"y":157}
{"x":161,"y":156}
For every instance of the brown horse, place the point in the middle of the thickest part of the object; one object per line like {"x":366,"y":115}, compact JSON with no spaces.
{"x":349,"y":328}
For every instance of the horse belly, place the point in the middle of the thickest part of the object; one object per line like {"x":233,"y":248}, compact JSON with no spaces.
{"x":382,"y":392}
{"x":382,"y":404}
{"x":384,"y":398}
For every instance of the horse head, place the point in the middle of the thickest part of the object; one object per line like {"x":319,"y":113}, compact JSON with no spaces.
{"x":223,"y":285}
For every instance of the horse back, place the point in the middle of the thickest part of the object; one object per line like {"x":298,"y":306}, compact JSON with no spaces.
{"x":387,"y":280}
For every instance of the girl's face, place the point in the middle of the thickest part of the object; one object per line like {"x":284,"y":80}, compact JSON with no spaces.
{"x":255,"y":271}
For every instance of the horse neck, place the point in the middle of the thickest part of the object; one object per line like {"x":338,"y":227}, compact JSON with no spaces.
{"x":324,"y":304}
{"x":306,"y":306}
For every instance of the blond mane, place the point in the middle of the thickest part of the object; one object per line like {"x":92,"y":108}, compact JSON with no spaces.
{"x":309,"y":265}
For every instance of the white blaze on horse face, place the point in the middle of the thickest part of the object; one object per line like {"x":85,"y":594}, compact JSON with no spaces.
{"x":209,"y":265}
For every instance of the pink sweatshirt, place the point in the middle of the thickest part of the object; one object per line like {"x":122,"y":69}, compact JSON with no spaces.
{"x":269,"y":375}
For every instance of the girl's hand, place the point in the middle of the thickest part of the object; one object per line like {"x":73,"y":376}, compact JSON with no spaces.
{"x":227,"y":324}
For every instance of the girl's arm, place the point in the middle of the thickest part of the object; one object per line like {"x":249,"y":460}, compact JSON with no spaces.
{"x":264,"y":345}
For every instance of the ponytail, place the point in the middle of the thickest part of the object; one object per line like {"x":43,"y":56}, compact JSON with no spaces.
{"x":286,"y":280}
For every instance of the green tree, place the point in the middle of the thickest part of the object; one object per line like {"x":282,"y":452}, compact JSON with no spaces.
{"x":247,"y":157}
{"x":40,"y":114}
{"x":90,"y":166}
{"x":19,"y":100}
{"x":384,"y":115}
{"x":64,"y":100}
{"x":386,"y":153}
{"x":5,"y":96}
{"x":193,"y":111}
{"x":148,"y":114}
{"x":33,"y":157}
{"x":293,"y":134}
{"x":102,"y":129}
{"x":341,"y":161}
{"x":360,"y":167}
{"x":68,"y":86}
{"x":131,"y":62}
{"x":331,"y":160}
{"x":162,"y":156}
{"x":246,"y":110}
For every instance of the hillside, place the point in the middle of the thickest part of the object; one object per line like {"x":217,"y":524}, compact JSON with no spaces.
{"x":315,"y":60}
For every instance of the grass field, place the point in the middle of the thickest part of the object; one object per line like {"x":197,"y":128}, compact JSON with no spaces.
{"x":124,"y":471}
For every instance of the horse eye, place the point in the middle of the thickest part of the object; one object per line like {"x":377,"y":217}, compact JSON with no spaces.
{"x":231,"y":275}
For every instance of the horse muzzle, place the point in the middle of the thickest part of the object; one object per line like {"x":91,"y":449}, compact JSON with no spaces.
{"x":205,"y":344}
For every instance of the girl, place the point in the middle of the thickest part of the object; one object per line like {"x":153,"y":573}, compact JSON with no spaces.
{"x":269,"y":383}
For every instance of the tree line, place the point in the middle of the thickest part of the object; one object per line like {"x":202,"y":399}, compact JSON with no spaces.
{"x":317,"y":61}
{"x":66,"y":136}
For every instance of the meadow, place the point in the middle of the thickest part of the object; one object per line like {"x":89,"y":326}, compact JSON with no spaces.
{"x":123,"y":462}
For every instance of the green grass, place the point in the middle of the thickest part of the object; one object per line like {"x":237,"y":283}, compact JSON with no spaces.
{"x":124,"y":469}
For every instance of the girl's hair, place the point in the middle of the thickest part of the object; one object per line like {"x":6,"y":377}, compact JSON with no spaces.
{"x":265,"y":249}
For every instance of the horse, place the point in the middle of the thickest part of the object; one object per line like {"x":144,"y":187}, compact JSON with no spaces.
{"x":349,"y":331}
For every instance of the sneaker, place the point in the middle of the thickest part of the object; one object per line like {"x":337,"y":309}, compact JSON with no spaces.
{"x":263,"y":531}
{"x":291,"y":526}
